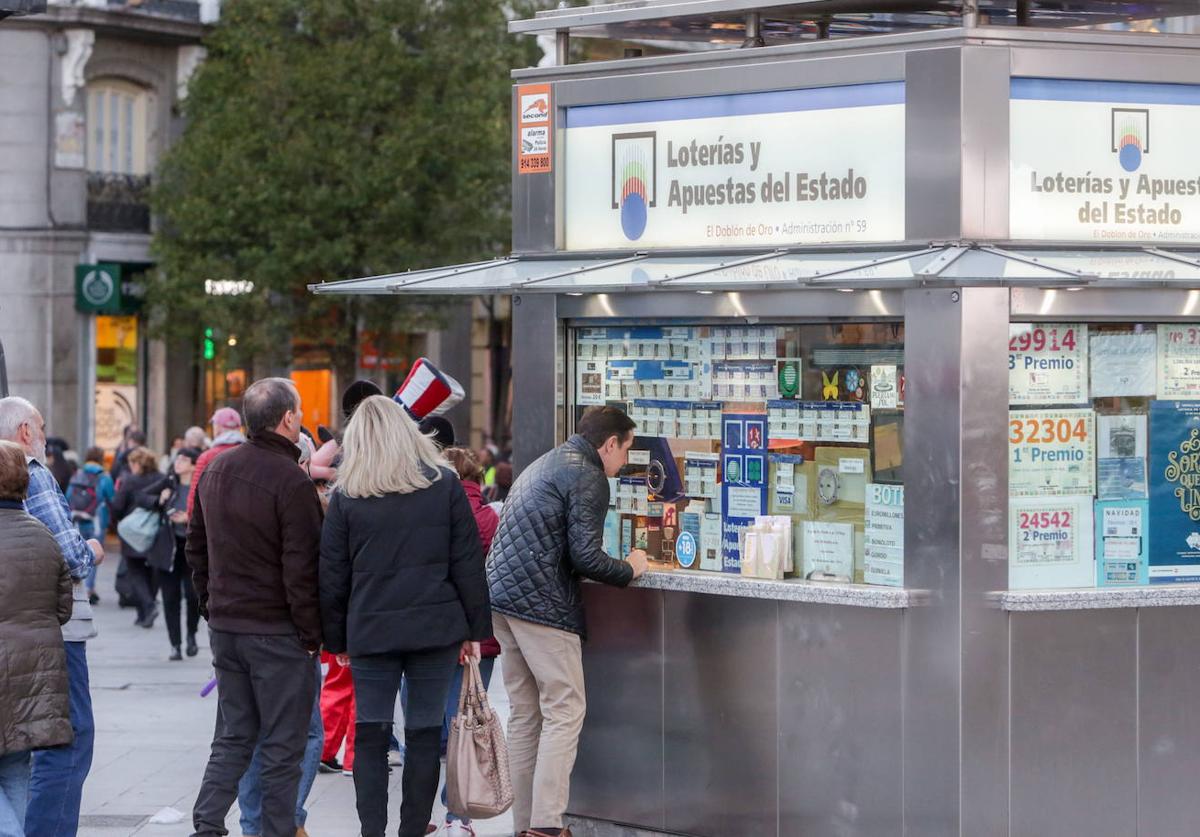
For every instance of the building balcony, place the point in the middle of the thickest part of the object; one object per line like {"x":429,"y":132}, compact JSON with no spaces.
{"x":183,"y":10}
{"x":21,"y":7}
{"x":118,"y":202}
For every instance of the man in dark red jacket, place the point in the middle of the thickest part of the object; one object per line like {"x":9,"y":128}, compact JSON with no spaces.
{"x":253,"y":543}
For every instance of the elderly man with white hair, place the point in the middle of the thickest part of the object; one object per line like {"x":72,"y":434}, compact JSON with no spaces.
{"x":56,"y":786}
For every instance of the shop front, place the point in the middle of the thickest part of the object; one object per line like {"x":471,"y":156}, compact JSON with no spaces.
{"x":910,"y":329}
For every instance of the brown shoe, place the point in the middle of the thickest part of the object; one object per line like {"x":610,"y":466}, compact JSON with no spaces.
{"x":300,"y":832}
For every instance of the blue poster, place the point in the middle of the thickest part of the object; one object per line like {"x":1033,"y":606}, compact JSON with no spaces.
{"x":744,"y":481}
{"x":1175,"y":491}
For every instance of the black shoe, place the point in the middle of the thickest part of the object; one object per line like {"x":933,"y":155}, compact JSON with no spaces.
{"x":192,"y":648}
{"x":329,"y":766}
{"x":93,"y":599}
{"x":175,"y":655}
{"x":148,"y":622}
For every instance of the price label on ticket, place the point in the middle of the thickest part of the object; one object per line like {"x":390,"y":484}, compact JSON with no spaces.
{"x":1051,"y":453}
{"x":1047,"y":364}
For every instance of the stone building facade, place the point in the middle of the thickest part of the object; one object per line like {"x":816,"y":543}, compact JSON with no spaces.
{"x":89,"y":95}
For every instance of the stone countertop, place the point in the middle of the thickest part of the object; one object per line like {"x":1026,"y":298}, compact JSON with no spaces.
{"x":1156,"y":595}
{"x":789,"y":590}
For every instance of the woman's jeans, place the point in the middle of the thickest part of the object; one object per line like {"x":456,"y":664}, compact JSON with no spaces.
{"x":486,"y":665}
{"x":14,"y":792}
{"x":177,"y":588}
{"x":250,"y":787}
{"x":376,"y":682}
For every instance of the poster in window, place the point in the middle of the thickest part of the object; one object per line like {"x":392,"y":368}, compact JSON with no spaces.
{"x":1051,"y":453}
{"x":1175,"y":491}
{"x":1123,"y":364}
{"x":1047,"y":363}
{"x":744,"y":487}
{"x":1122,"y":543}
{"x":1179,"y":362}
{"x":1050,"y":542}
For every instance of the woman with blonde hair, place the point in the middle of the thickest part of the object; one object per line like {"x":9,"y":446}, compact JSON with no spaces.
{"x":403,"y":594}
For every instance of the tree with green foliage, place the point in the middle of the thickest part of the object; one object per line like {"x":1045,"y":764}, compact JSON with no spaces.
{"x":329,"y":139}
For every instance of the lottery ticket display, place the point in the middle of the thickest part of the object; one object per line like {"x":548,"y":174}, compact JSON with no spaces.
{"x":1104,"y":454}
{"x":740,"y":423}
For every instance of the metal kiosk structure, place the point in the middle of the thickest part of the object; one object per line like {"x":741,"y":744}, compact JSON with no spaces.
{"x":944,"y":184}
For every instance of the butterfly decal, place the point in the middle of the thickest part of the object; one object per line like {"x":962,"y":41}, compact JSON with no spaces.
{"x":829,"y":386}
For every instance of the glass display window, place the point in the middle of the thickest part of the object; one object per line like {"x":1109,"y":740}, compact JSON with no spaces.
{"x":1104,"y":454}
{"x":766,"y":450}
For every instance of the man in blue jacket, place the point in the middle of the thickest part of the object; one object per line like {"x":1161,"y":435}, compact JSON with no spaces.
{"x":550,"y":536}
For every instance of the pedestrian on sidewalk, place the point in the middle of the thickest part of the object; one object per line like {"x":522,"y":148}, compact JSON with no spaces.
{"x":35,"y":600}
{"x":132,"y":494}
{"x":56,"y":783}
{"x":252,"y":544}
{"x":131,"y":437}
{"x":227,"y":435}
{"x":169,"y":496}
{"x":338,"y":718}
{"x":470,"y":473}
{"x":403,"y":594}
{"x":89,"y":494}
{"x":550,"y":536}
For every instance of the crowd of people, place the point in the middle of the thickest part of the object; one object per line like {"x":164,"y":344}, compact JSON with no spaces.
{"x":384,"y":555}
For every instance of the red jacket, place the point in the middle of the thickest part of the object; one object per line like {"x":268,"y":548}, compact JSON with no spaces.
{"x":488,"y":521}
{"x":202,"y":463}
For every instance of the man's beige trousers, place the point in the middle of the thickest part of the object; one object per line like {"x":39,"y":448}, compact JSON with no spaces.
{"x":543,"y":673}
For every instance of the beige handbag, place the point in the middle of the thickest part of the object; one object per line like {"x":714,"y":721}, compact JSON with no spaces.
{"x":478,"y":784}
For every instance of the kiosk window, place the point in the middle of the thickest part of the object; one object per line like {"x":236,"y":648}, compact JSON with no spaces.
{"x":1104,"y":454}
{"x":772,"y":451}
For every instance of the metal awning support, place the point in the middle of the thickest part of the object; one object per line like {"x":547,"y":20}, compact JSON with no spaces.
{"x":830,"y":276}
{"x":946,"y":258}
{"x":1033,"y":261}
{"x":723,"y":266}
{"x":529,"y":284}
{"x":1175,"y":257}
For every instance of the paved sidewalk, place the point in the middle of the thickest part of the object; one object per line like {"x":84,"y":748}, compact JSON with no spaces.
{"x":153,"y":732}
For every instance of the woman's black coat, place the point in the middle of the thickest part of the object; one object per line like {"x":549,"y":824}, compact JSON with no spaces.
{"x":402,"y":572}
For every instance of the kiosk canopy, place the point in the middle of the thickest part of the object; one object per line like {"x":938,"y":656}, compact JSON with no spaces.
{"x":782,"y":268}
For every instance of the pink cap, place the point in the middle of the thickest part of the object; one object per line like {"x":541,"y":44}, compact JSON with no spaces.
{"x":226,"y":417}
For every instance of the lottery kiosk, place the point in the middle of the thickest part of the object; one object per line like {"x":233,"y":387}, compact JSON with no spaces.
{"x":910,"y":327}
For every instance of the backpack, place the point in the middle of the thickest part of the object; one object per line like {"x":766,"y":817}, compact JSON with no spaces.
{"x":82,"y":494}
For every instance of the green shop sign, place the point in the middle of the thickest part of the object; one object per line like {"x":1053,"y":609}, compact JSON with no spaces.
{"x":104,"y":289}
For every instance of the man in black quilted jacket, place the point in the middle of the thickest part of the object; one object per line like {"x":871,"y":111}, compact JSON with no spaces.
{"x":550,"y":536}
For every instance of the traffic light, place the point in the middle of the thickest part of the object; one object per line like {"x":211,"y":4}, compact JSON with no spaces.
{"x":209,"y":349}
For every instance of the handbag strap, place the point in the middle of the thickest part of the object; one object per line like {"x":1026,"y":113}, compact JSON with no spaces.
{"x":464,"y":692}
{"x":477,"y":698}
{"x":480,"y":690}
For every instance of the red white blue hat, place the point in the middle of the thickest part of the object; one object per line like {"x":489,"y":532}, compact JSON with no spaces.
{"x":427,"y":391}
